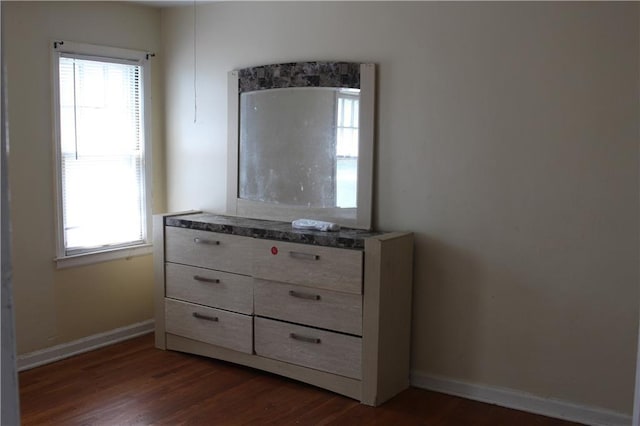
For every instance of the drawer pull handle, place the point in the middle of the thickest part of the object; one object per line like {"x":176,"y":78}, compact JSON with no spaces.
{"x":205,"y":317}
{"x":206,"y":280}
{"x":301,"y":255}
{"x":301,"y":295}
{"x":204,"y":241}
{"x":304,"y":338}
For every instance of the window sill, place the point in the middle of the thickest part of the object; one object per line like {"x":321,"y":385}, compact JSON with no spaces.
{"x":103,"y":256}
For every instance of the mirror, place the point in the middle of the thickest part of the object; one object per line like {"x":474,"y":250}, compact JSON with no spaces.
{"x":318,"y":127}
{"x":301,"y":142}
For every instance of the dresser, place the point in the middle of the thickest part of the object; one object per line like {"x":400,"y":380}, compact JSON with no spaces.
{"x":332,"y":309}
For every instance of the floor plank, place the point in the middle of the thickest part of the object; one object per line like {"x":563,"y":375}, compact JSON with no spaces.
{"x":132,"y":383}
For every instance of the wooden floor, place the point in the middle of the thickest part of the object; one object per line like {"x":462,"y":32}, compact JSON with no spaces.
{"x":132,"y":383}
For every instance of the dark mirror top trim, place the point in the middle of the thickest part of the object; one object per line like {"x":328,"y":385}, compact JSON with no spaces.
{"x":299,"y":74}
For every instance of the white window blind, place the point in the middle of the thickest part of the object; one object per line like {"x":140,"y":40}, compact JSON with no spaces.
{"x":101,"y":153}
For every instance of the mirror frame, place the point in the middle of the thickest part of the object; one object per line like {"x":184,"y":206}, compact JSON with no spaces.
{"x":359,"y":217}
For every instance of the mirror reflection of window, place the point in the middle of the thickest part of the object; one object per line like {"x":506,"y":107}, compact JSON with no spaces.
{"x":347,"y":148}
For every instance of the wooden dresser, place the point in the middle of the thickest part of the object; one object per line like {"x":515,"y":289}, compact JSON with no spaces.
{"x":332,"y":309}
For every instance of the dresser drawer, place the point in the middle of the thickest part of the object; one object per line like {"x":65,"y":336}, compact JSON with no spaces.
{"x":322,"y":267}
{"x":321,"y":350}
{"x":209,"y":325}
{"x":310,"y":306}
{"x":208,"y":249}
{"x":209,"y":287}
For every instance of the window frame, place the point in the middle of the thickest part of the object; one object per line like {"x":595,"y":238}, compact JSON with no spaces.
{"x":115,"y":55}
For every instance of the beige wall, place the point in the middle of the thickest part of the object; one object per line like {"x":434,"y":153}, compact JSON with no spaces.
{"x":507,"y":141}
{"x":56,"y":306}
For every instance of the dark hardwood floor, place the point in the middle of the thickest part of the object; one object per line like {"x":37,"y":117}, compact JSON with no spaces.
{"x":132,"y":383}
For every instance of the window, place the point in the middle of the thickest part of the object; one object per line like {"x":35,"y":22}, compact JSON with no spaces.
{"x":102,"y":159}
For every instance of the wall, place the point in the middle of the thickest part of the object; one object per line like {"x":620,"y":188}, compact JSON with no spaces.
{"x":507,"y":140}
{"x":57,"y":306}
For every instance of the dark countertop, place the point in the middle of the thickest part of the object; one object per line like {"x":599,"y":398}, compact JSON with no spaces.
{"x":271,"y":230}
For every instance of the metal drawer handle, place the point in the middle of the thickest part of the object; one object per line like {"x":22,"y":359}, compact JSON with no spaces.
{"x":205,"y":317}
{"x":301,"y":255}
{"x":304,"y":338}
{"x":304,"y":295}
{"x":206,"y":280}
{"x":204,"y":241}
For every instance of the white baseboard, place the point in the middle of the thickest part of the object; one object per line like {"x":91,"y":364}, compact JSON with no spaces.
{"x":86,"y":344}
{"x":518,"y":400}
